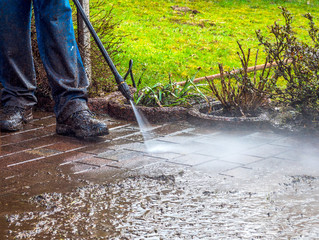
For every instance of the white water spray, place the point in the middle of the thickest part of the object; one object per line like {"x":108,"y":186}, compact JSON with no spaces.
{"x":143,"y":124}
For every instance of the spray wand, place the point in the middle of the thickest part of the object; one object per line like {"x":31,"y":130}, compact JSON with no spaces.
{"x":122,"y":85}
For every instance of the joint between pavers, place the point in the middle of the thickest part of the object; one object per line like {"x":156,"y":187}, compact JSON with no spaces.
{"x":42,"y":157}
{"x":97,"y":156}
{"x":25,"y":131}
{"x":88,"y":164}
{"x":10,"y":177}
{"x":180,"y":164}
{"x":26,"y":150}
{"x":76,"y":160}
{"x":148,"y":155}
{"x":125,"y":136}
{"x":109,"y":165}
{"x":83,"y":171}
{"x":27,"y":140}
{"x":121,"y":126}
{"x":226,"y":175}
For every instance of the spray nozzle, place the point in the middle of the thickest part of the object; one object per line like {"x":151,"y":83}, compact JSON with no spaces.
{"x":125,"y":90}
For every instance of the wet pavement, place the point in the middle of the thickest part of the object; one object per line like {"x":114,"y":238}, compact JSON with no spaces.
{"x":184,"y":182}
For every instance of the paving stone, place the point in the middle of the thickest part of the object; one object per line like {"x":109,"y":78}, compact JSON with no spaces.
{"x":135,"y":146}
{"x":157,"y":146}
{"x":17,"y":158}
{"x":95,"y":161}
{"x":253,"y":140}
{"x":266,"y":150}
{"x":66,"y":146}
{"x":134,"y":162}
{"x":163,"y":155}
{"x":77,"y":168}
{"x":268,"y":136}
{"x":299,"y":155}
{"x":286,"y":142}
{"x":22,"y":136}
{"x":75,"y":156}
{"x":119,"y":155}
{"x":115,"y":124}
{"x":136,"y":138}
{"x":44,"y":140}
{"x":55,"y":158}
{"x":240,"y":159}
{"x":179,"y":139}
{"x":40,"y":114}
{"x":5,"y":150}
{"x":43,"y":151}
{"x":100,"y":174}
{"x":241,"y":173}
{"x":171,"y":128}
{"x":192,"y":147}
{"x":216,"y":166}
{"x":44,"y":121}
{"x":118,"y":135}
{"x":212,"y":150}
{"x":192,"y":159}
{"x":273,"y":165}
{"x":97,"y":148}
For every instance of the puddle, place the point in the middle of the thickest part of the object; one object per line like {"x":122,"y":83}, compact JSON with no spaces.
{"x":173,"y":203}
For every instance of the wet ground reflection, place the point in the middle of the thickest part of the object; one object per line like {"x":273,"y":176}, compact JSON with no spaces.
{"x":204,"y":184}
{"x":174,"y":204}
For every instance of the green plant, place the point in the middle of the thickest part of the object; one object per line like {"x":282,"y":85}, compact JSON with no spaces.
{"x":296,"y":64}
{"x":170,"y":94}
{"x":240,"y":92}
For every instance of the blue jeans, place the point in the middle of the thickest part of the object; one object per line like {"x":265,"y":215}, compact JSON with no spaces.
{"x":58,"y":51}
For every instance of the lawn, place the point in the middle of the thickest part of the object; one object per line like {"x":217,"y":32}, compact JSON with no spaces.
{"x":163,"y":41}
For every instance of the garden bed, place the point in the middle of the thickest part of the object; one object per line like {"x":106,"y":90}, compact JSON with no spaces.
{"x":200,"y":114}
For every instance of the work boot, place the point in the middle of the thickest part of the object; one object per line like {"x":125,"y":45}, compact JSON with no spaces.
{"x":12,"y":118}
{"x":82,"y":124}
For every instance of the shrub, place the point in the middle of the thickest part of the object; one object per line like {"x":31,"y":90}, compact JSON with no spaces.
{"x":296,"y":64}
{"x":238,"y":91}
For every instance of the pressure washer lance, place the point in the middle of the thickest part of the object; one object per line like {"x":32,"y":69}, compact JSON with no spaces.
{"x":122,"y":85}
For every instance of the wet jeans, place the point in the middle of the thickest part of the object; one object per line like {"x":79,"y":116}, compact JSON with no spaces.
{"x":58,"y":50}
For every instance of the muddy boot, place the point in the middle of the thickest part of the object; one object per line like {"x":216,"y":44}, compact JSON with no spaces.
{"x":82,"y":124}
{"x":12,"y":118}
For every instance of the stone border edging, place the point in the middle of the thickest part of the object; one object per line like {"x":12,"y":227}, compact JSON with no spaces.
{"x":116,"y":106}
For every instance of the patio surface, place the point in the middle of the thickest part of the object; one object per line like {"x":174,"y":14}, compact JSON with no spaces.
{"x":36,"y":160}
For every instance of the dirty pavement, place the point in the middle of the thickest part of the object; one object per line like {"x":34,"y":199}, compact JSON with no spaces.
{"x":184,"y":182}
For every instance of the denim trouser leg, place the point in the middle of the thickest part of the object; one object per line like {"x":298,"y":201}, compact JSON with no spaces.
{"x":58,"y":50}
{"x":16,"y":65}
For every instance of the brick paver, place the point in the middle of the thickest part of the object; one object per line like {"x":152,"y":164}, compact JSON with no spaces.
{"x":36,"y":155}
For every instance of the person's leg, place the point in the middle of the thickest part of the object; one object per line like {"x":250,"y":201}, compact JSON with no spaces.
{"x":63,"y":64}
{"x":16,"y":65}
{"x":60,"y":56}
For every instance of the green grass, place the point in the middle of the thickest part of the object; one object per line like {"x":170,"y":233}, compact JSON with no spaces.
{"x":162,"y":41}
